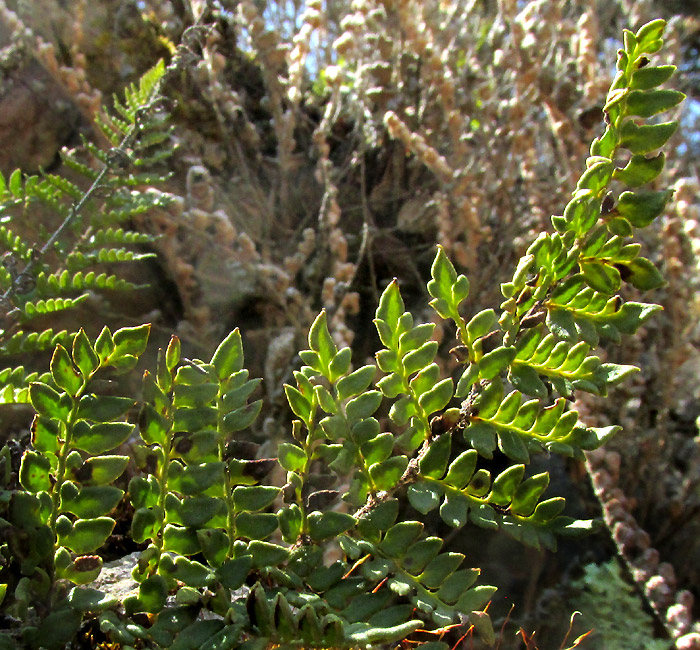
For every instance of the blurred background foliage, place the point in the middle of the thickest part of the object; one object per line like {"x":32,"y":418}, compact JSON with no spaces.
{"x":323,"y":147}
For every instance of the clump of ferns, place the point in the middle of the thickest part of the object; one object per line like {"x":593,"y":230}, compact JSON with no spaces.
{"x":58,"y":235}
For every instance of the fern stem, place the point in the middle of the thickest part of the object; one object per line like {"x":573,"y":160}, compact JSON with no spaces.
{"x":62,"y":458}
{"x":228,"y":485}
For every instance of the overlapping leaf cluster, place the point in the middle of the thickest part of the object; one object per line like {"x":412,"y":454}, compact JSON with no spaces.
{"x":52,"y":527}
{"x":521,"y":372}
{"x":326,"y":556}
{"x":46,"y":273}
{"x":339,"y":436}
{"x":192,"y":498}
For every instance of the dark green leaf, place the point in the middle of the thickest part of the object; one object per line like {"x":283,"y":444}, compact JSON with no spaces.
{"x":643,"y":275}
{"x":505,"y":484}
{"x":390,"y":308}
{"x":242,"y":417}
{"x":100,"y":470}
{"x":488,"y":400}
{"x":646,"y":103}
{"x":380,"y":518}
{"x":254,"y":497}
{"x":454,"y":510}
{"x":402,"y":410}
{"x":527,"y":380}
{"x":47,"y":402}
{"x":475,"y":598}
{"x":640,"y":170}
{"x":144,"y":525}
{"x":103,"y":408}
{"x":44,"y":435}
{"x":153,"y":592}
{"x":481,"y":324}
{"x":183,"y":541}
{"x":651,"y":77}
{"x":266,"y":554}
{"x":597,"y":176}
{"x":195,"y":478}
{"x":194,"y":396}
{"x":632,"y":315}
{"x":15,"y":183}
{"x":480,"y":483}
{"x":378,"y":449}
{"x":194,"y":419}
{"x":437,"y":398}
{"x":259,"y":525}
{"x":34,"y":472}
{"x":641,"y":208}
{"x":329,"y":524}
{"x":420,"y":358}
{"x":399,"y":537}
{"x":215,"y":545}
{"x":444,"y":276}
{"x":356,"y":382}
{"x":482,"y":437}
{"x":89,"y":502}
{"x":512,"y":445}
{"x":461,"y":469}
{"x":234,"y":572}
{"x":439,"y":569}
{"x":434,"y":462}
{"x":153,"y":427}
{"x":172,"y":353}
{"x":646,"y":138}
{"x":363,"y":406}
{"x":528,"y":493}
{"x":649,"y":33}
{"x":291,"y":457}
{"x":423,"y":497}
{"x":86,"y":535}
{"x":85,"y":599}
{"x":387,"y":474}
{"x":98,"y":438}
{"x":63,"y":371}
{"x":301,"y":407}
{"x":547,"y":510}
{"x":483,"y":516}
{"x":340,"y":364}
{"x":493,"y":362}
{"x":601,"y":276}
{"x":415,"y":337}
{"x":194,"y":512}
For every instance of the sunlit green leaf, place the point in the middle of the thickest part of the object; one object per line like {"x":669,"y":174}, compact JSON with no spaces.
{"x":228,"y":357}
{"x":34,"y":472}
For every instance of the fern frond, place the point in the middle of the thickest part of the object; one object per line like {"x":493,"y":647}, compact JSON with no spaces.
{"x":70,"y":160}
{"x":77,"y":261}
{"x":14,"y":243}
{"x":51,"y":305}
{"x":48,"y":339}
{"x":65,"y":186}
{"x":55,"y":284}
{"x":120,"y":236}
{"x":14,"y":384}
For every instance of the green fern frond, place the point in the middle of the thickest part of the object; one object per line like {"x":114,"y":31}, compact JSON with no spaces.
{"x":14,"y":244}
{"x":24,"y":342}
{"x":50,"y":306}
{"x":77,"y":261}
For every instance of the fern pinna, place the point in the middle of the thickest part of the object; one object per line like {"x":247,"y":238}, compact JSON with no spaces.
{"x":47,"y":270}
{"x":326,"y":558}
